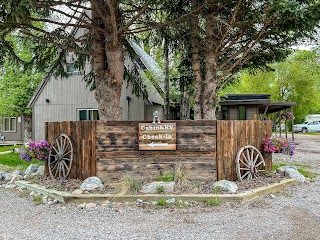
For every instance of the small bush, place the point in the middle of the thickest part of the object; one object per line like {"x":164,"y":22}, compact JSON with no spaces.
{"x":37,"y":199}
{"x":166,"y":177}
{"x":160,"y":189}
{"x":128,"y":185}
{"x":161,"y":202}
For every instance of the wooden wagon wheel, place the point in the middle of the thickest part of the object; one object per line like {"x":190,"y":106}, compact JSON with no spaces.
{"x":249,"y":162}
{"x":60,"y":156}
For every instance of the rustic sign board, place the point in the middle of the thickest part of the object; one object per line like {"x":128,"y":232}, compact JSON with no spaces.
{"x":157,"y":136}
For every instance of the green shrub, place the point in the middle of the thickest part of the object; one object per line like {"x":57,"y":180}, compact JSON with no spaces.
{"x":166,"y":177}
{"x":160,"y":189}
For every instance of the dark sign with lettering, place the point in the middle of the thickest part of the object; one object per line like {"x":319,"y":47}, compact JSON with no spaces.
{"x":157,"y":136}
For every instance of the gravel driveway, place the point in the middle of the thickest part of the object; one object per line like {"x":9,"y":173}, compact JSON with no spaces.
{"x":291,"y":214}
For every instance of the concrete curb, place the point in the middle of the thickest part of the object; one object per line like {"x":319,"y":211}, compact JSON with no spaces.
{"x":238,"y":197}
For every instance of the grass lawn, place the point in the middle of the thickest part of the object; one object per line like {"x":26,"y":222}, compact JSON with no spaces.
{"x":8,"y":148}
{"x":12,"y":161}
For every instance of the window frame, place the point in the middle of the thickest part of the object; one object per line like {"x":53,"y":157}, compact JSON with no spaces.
{"x":75,"y":70}
{"x":88,"y":114}
{"x":10,"y":125}
{"x":225,"y":109}
{"x":239,"y":112}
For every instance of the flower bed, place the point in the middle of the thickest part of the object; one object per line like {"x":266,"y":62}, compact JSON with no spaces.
{"x":39,"y":150}
{"x":278,"y":145}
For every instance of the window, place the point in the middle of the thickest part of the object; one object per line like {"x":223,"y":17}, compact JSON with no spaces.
{"x":242,"y":113}
{"x":88,"y":114}
{"x":10,"y":124}
{"x":71,"y":68}
{"x":225,"y":113}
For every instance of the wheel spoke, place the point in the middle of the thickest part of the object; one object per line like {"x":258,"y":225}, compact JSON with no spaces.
{"x":248,"y":155}
{"x":245,"y":169}
{"x":60,"y":156}
{"x":245,"y":158}
{"x":259,"y":164}
{"x":251,"y":157}
{"x":247,"y":162}
{"x":58,"y":145}
{"x":67,"y":153}
{"x":255,"y":159}
{"x":55,"y":149}
{"x":244,"y":175}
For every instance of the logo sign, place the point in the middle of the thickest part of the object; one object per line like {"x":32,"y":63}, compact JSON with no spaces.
{"x":157,"y":136}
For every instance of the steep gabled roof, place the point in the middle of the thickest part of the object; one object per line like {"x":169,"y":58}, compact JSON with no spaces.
{"x":153,"y":94}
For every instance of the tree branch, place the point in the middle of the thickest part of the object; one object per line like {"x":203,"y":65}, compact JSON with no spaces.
{"x":56,"y":44}
{"x":141,"y":11}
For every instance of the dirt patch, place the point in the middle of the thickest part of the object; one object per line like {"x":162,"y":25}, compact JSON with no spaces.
{"x":188,"y":187}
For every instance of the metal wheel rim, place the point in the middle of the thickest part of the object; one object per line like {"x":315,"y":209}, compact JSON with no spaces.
{"x":249,"y":163}
{"x":60,"y":157}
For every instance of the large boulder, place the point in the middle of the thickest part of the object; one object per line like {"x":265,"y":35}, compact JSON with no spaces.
{"x":91,"y":183}
{"x":40,"y":170}
{"x":292,"y":172}
{"x":153,"y":187}
{"x":31,"y":169}
{"x":226,"y":185}
{"x":8,"y":177}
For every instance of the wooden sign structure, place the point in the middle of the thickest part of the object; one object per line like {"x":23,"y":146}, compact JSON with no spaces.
{"x":157,"y":136}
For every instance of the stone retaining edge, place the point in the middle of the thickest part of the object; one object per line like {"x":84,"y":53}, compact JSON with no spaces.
{"x":65,"y":197}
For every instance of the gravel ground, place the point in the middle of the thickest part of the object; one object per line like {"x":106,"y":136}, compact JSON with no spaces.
{"x":293,"y":213}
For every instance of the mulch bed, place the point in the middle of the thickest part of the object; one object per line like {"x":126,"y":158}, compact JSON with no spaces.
{"x":194,"y":187}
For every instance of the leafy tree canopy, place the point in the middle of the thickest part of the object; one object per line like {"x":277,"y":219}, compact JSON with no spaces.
{"x":17,"y":83}
{"x":295,"y":80}
{"x":226,"y":37}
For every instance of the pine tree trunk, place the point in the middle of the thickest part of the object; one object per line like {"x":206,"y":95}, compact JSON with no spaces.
{"x":211,"y":67}
{"x":108,"y":67}
{"x":166,"y":80}
{"x":185,"y":101}
{"x":27,"y":127}
{"x":196,"y":65}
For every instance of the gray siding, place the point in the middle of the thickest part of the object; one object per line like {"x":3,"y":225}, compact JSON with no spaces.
{"x":251,"y":110}
{"x":18,"y":135}
{"x":233,"y":110}
{"x":67,"y":96}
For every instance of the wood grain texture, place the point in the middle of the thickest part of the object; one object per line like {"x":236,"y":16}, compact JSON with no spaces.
{"x":207,"y":149}
{"x":233,"y":135}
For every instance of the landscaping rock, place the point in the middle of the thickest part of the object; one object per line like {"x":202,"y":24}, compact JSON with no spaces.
{"x":77,"y":191}
{"x":31,"y":169}
{"x":153,"y":187}
{"x":82,"y":205}
{"x":283,"y":169}
{"x":10,"y":186}
{"x":18,"y":172}
{"x":91,"y":205}
{"x":171,"y":201}
{"x":2,"y":175}
{"x":26,"y":177}
{"x":292,"y":172}
{"x":15,"y":178}
{"x":226,"y":185}
{"x":91,"y":183}
{"x":8,"y":177}
{"x":40,"y":171}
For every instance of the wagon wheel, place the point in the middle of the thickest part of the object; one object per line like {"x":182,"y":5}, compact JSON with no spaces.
{"x":249,"y":162}
{"x":60,"y":156}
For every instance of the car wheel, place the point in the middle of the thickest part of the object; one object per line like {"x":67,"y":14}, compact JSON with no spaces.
{"x":304,"y":130}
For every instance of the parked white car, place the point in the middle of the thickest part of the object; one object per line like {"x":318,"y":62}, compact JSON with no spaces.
{"x":312,"y":126}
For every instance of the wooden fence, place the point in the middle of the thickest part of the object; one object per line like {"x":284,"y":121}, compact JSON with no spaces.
{"x":83,"y":137}
{"x":231,"y":136}
{"x":207,"y":149}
